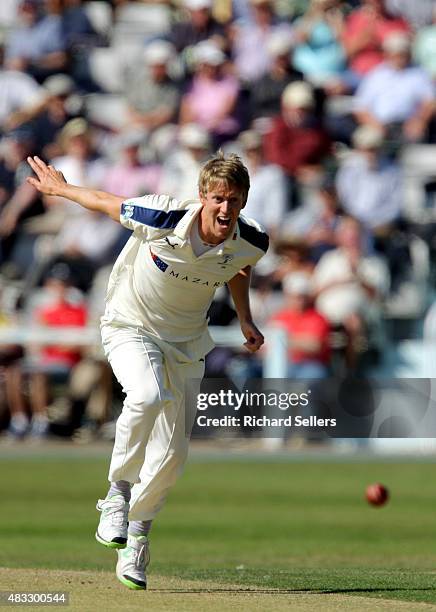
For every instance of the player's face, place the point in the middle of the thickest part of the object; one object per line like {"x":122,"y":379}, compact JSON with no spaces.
{"x":221,"y":207}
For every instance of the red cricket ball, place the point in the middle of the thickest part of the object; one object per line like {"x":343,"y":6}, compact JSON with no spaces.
{"x":376,"y":494}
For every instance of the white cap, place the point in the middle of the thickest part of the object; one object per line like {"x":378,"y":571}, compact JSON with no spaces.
{"x":158,"y":52}
{"x":297,"y":283}
{"x":250,"y":139}
{"x":194,"y":136}
{"x":367,"y":137}
{"x":397,"y":42}
{"x":74,"y":127}
{"x":59,"y":85}
{"x":208,"y":52}
{"x":279,"y":43}
{"x":197,"y":5}
{"x":298,"y":95}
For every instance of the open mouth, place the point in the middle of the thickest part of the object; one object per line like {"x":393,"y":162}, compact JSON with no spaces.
{"x":224,"y":221}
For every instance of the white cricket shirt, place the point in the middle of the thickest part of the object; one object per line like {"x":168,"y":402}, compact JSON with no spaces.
{"x":158,"y":283}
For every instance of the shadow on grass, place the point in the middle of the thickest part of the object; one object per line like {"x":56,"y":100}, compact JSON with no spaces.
{"x":255,"y":591}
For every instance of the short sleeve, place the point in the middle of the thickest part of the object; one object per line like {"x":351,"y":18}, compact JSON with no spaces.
{"x":150,"y":213}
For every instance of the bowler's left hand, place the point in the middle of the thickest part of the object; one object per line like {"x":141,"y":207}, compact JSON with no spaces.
{"x":253,"y":336}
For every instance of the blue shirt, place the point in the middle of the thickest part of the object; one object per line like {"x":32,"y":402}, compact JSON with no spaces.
{"x":393,"y":96}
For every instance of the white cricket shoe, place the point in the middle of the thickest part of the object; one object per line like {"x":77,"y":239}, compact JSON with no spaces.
{"x":132,"y":563}
{"x":112,"y":528}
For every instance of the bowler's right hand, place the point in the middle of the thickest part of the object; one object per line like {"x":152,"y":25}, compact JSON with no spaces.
{"x":49,"y":180}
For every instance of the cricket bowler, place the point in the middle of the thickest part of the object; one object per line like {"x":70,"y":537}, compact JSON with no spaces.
{"x":154,"y":332}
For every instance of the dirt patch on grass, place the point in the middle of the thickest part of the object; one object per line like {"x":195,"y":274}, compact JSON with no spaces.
{"x":101,"y":591}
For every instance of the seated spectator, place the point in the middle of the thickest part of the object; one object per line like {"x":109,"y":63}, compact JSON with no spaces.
{"x":266,"y":93}
{"x":365,"y":31}
{"x":37,"y":44}
{"x":369,"y":184}
{"x":308,"y":330}
{"x":250,"y":41}
{"x":10,"y":373}
{"x":267,"y":184}
{"x":17,"y":91}
{"x":297,"y":141}
{"x":181,"y":168}
{"x":211,"y":99}
{"x":315,"y":221}
{"x":350,"y":284}
{"x":396,"y":97}
{"x":46,"y":118}
{"x":318,"y":52}
{"x":18,"y":199}
{"x":128,"y":176}
{"x":152,"y":95}
{"x":53,"y":361}
{"x":75,"y":242}
{"x":198,"y":25}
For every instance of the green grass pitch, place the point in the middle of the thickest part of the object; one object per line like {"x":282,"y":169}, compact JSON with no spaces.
{"x":290,"y":525}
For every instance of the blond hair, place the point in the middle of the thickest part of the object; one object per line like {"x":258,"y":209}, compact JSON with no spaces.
{"x":229,"y":170}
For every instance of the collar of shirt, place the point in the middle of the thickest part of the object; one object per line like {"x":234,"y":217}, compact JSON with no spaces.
{"x":183,"y":229}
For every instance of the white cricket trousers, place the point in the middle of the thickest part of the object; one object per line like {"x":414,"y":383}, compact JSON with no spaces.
{"x":151,"y":440}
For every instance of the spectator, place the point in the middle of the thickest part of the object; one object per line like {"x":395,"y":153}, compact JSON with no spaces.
{"x":18,"y":199}
{"x":365,"y":31}
{"x":211,"y":99}
{"x":80,"y":38}
{"x":349,"y":285}
{"x":17,"y":91}
{"x":152,"y":95}
{"x":318,"y":52}
{"x":265,"y":93}
{"x":250,"y":41}
{"x":297,"y":141}
{"x":308,"y":331}
{"x":10,"y":371}
{"x":46,"y":118}
{"x":268,"y":184}
{"x":75,"y":243}
{"x":198,"y":26}
{"x":396,"y":97}
{"x":37,"y":45}
{"x":128,"y":176}
{"x":53,"y":361}
{"x":316,"y":221}
{"x":369,"y":184}
{"x":180,"y":170}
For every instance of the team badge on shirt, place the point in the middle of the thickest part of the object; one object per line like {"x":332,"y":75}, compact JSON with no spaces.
{"x":128,"y":211}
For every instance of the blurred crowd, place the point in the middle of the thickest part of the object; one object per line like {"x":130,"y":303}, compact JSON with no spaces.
{"x":331,"y":105}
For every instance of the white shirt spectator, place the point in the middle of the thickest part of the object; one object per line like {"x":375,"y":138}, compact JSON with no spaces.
{"x":17,"y":90}
{"x":393,"y":96}
{"x":266,"y":201}
{"x":250,"y":49}
{"x":371,"y":194}
{"x":90,"y":233}
{"x":340,"y":301}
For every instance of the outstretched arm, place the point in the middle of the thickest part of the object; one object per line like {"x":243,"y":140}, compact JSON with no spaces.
{"x":239,"y":287}
{"x":52,"y":182}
